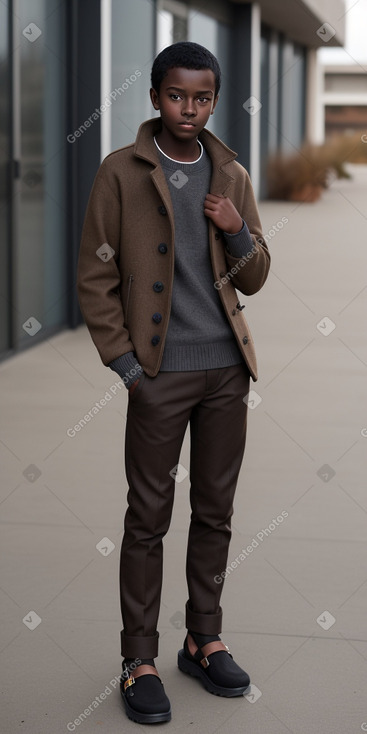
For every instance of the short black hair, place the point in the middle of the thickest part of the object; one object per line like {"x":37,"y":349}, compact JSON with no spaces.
{"x":187,"y":55}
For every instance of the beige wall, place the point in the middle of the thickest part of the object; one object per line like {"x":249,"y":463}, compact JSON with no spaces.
{"x":300,"y":19}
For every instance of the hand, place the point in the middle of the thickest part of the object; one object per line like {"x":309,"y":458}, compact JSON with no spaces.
{"x":133,"y":386}
{"x":223,"y":213}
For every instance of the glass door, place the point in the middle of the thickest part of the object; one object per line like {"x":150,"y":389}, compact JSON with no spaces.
{"x":40,"y":267}
{"x":33,"y":155}
{"x":5,"y":178}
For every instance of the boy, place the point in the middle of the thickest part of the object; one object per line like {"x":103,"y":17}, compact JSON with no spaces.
{"x":171,"y":229}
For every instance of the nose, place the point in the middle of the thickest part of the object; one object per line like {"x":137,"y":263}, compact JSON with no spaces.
{"x":188,"y":107}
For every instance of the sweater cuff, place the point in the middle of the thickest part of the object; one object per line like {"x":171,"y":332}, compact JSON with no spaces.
{"x":127,"y":367}
{"x":239,"y":244}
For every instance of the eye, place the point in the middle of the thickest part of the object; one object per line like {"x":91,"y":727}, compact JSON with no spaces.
{"x":177,"y":96}
{"x":203,"y":99}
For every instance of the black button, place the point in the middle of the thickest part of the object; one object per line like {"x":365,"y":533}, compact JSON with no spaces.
{"x":217,"y":236}
{"x":155,"y":340}
{"x":162,"y":209}
{"x":157,"y":317}
{"x":158,"y":286}
{"x":222,"y":275}
{"x":162,"y":248}
{"x":245,"y":339}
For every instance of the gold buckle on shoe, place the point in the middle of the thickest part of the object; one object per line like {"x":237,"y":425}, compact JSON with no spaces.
{"x":129,"y":682}
{"x":205,"y":662}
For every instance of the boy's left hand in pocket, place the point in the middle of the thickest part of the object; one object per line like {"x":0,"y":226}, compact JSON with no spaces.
{"x":133,"y":386}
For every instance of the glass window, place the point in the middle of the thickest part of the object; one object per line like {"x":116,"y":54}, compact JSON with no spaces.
{"x":40,"y":263}
{"x":172,"y":23}
{"x":5,"y":293}
{"x":216,"y":37}
{"x":132,"y":51}
{"x":176,"y":22}
{"x":293,"y":95}
{"x":264,"y":119}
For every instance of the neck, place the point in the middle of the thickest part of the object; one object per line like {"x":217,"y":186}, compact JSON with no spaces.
{"x":186,"y":151}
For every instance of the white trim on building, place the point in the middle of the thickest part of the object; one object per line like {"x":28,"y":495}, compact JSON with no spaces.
{"x":106,"y":60}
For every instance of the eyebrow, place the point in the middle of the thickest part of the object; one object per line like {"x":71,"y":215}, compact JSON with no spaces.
{"x":205,"y":91}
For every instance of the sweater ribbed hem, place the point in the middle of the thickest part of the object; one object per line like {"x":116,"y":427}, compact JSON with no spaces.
{"x":239,"y":244}
{"x":200,"y":357}
{"x":127,"y":367}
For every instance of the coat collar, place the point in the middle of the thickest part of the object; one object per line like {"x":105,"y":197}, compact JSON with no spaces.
{"x":219,"y":153}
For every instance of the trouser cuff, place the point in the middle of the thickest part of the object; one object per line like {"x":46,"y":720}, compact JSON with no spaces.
{"x":139,"y":646}
{"x":203,"y":624}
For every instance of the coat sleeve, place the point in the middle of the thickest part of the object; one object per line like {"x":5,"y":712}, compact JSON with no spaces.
{"x":251,"y":270}
{"x":98,"y":273}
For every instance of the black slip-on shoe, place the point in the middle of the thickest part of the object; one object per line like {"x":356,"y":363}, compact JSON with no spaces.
{"x":213,"y":664}
{"x":144,"y":696}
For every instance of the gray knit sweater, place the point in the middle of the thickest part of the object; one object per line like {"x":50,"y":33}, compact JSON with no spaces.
{"x":199,"y":335}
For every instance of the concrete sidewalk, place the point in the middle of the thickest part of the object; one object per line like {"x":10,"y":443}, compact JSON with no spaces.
{"x":295,"y":605}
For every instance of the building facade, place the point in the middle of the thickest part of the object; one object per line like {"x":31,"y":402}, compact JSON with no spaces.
{"x":343,"y":99}
{"x":75,"y":79}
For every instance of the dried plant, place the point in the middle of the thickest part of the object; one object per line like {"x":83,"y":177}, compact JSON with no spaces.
{"x":304,"y":174}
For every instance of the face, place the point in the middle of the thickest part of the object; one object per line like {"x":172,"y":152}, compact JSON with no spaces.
{"x":186,"y":100}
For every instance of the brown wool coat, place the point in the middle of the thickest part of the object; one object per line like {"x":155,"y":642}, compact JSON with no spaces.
{"x":130,"y":209}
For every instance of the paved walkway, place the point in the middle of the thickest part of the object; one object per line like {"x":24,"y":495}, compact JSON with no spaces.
{"x":295,"y":605}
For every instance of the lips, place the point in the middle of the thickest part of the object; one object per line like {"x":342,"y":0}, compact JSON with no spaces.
{"x":187,"y":124}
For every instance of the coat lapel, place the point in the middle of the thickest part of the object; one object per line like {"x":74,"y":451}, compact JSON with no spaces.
{"x":145,"y":148}
{"x":219,"y":153}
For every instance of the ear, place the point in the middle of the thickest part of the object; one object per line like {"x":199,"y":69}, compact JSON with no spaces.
{"x":214,"y":104}
{"x":154,"y":99}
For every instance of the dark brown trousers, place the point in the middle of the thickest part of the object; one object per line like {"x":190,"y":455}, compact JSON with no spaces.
{"x":159,"y":410}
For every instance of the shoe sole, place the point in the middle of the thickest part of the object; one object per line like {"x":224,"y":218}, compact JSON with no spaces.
{"x":140,"y":718}
{"x":193,"y":669}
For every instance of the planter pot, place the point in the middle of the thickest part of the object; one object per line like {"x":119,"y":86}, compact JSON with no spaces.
{"x":308,"y":192}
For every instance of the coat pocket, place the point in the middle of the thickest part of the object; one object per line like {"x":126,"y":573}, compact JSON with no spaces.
{"x":126,"y":314}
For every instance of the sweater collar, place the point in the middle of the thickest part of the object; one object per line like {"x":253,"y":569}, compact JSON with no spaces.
{"x":145,"y":147}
